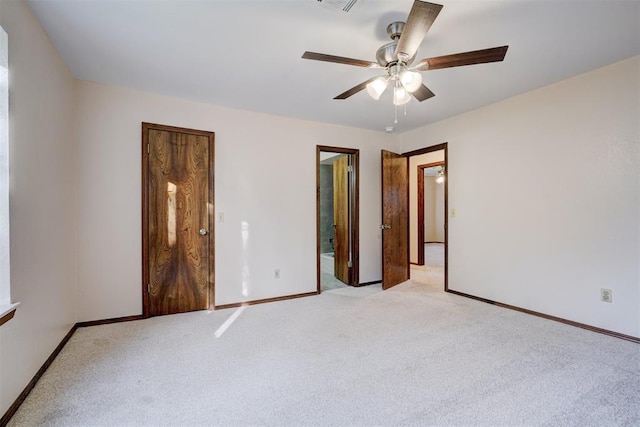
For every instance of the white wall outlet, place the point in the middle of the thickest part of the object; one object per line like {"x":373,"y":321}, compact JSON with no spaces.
{"x":453,"y":213}
{"x":606,"y":295}
{"x":276,"y":273}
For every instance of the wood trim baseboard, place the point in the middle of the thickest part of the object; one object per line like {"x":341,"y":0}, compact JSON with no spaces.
{"x":108,"y":321}
{"x":265,"y":300}
{"x":375,"y":282}
{"x":22,"y":396}
{"x":4,"y":319}
{"x":550,"y":317}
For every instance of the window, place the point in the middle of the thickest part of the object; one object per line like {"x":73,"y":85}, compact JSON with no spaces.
{"x":6,"y":308}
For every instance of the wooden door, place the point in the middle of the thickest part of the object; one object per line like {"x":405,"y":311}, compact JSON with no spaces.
{"x":179,"y":219}
{"x":395,"y":219}
{"x":341,"y":218}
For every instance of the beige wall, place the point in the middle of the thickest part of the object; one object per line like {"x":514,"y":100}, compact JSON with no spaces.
{"x":265,"y":178}
{"x":43,"y":203}
{"x":414,"y":162}
{"x":433,"y":210}
{"x":560,"y":216}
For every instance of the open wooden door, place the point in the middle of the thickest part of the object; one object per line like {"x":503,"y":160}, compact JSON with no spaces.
{"x":395,"y":219}
{"x":341,"y":218}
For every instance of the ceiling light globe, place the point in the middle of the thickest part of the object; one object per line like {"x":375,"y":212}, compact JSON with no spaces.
{"x":411,"y":80}
{"x":376,"y":87}
{"x":400,"y":95}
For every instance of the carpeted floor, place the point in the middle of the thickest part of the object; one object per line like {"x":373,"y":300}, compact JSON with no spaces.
{"x":412,"y":355}
{"x":434,"y":255}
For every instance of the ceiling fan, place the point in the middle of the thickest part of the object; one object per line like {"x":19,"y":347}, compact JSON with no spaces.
{"x":396,"y":57}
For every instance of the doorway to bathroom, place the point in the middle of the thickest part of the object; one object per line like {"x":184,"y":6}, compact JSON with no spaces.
{"x":337,"y":217}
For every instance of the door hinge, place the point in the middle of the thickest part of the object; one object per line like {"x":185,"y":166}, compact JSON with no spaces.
{"x":147,"y":148}
{"x":148,"y":288}
{"x":349,"y":264}
{"x":350,"y":168}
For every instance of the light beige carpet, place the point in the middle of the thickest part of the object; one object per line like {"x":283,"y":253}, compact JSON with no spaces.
{"x":412,"y":355}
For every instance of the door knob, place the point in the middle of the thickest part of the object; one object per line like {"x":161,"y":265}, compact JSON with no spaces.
{"x":203,"y":231}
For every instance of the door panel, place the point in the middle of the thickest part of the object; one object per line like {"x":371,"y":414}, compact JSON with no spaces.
{"x":341,"y":218}
{"x":395,"y":219}
{"x":179,"y":203}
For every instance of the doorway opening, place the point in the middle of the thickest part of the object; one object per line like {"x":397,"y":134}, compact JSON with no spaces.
{"x":403,"y":237}
{"x":337,"y":217}
{"x":430,"y":214}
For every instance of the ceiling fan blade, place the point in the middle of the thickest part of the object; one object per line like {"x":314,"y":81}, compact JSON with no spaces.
{"x":339,"y":60}
{"x":494,"y":54}
{"x":355,"y":89}
{"x":420,"y":19}
{"x":423,"y":93}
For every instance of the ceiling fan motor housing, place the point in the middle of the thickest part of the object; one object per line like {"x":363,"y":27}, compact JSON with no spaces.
{"x":386,"y":55}
{"x":394,"y":30}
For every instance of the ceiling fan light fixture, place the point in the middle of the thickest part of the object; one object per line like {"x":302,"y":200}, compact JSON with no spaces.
{"x":377,"y":87}
{"x":400,"y":95}
{"x":411,"y":80}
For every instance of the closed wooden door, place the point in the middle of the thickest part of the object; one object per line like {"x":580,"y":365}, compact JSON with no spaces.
{"x":395,"y":219}
{"x":179,"y":219}
{"x":341,"y":218}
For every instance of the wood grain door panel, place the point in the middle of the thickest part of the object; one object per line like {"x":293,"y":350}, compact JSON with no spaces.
{"x":341,"y":218}
{"x":395,"y":219}
{"x":179,"y":206}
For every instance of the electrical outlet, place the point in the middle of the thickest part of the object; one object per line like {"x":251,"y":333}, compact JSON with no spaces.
{"x":606,"y":295}
{"x":276,"y":273}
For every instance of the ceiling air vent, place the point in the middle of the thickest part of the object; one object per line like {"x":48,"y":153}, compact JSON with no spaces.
{"x":343,"y":5}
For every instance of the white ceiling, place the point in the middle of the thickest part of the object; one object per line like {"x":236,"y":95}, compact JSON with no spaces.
{"x":246,"y":53}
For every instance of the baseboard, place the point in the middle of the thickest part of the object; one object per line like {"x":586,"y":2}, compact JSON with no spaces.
{"x":8,"y":316}
{"x":550,"y":317}
{"x":375,"y":282}
{"x":434,"y":242}
{"x":108,"y":321}
{"x":22,"y":396}
{"x":262,"y":301}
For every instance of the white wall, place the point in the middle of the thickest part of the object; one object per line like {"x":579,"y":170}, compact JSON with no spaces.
{"x":42,"y":194}
{"x":265,"y":177}
{"x":433,"y":210}
{"x":438,"y":212}
{"x":414,"y":162}
{"x":560,"y":218}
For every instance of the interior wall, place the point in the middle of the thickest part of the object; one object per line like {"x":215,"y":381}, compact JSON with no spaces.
{"x":560,"y":216}
{"x":414,"y":162}
{"x":438,"y":212}
{"x":42,"y":201}
{"x":326,"y":208}
{"x":265,"y":185}
{"x":433,"y":210}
